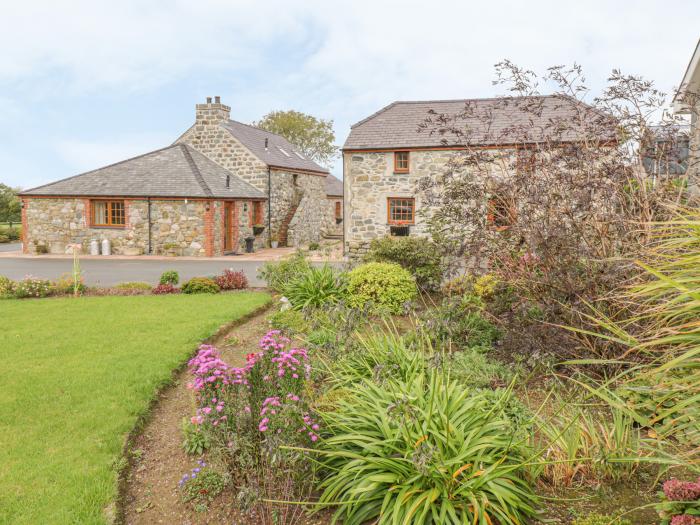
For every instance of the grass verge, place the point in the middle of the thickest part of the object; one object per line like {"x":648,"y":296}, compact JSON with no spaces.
{"x":77,"y":376}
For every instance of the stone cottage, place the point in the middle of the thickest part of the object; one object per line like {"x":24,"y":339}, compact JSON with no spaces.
{"x":221,"y":182}
{"x":334,"y":209}
{"x":387,"y":154}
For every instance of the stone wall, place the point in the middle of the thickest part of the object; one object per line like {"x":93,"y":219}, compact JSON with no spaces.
{"x":369,"y":181}
{"x":209,"y":138}
{"x":331,"y":227}
{"x":307,"y":222}
{"x":177,"y":227}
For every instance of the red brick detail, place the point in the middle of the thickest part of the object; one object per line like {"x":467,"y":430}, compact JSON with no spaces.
{"x":209,"y":229}
{"x":87,"y":218}
{"x":223,"y":227}
{"x":25,"y":230}
{"x":250,"y":213}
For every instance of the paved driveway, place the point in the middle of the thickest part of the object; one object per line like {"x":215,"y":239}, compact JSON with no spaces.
{"x":10,"y":246}
{"x":108,"y":272}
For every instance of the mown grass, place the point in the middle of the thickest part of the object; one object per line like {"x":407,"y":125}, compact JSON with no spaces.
{"x":75,"y":376}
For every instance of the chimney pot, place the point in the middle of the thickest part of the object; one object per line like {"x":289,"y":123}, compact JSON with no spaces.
{"x":208,"y":100}
{"x":217,"y":100}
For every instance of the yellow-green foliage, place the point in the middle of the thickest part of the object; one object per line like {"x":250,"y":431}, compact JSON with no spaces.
{"x":387,"y":286}
{"x":483,"y":286}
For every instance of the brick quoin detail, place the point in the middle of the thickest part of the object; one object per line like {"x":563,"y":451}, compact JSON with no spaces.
{"x":209,"y":229}
{"x":223,"y":227}
{"x":236,"y":218}
{"x":25,"y":230}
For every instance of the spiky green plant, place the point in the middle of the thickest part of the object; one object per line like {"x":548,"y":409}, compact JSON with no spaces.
{"x":315,"y":287}
{"x":423,"y":451}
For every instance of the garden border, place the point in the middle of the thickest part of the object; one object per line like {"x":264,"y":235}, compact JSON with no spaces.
{"x":114,"y":512}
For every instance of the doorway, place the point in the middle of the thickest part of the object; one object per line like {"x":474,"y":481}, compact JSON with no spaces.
{"x":230,"y":227}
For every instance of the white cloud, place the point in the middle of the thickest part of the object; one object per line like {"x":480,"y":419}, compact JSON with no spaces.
{"x":84,"y":155}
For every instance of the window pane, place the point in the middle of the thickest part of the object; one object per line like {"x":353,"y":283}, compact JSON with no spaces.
{"x":401,"y":210}
{"x":401,"y":161}
{"x":117,"y":213}
{"x":99,"y":212}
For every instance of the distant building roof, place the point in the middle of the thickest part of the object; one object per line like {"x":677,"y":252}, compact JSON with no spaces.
{"x":175,"y":171}
{"x":279,"y":152}
{"x":489,"y":121}
{"x":334,"y":186}
{"x":689,"y":89}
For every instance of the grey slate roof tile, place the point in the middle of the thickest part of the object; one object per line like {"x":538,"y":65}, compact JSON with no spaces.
{"x":174,"y":171}
{"x":334,"y":186}
{"x":490,"y":121}
{"x":254,"y":139}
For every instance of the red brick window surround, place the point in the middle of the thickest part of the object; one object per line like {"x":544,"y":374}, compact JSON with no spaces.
{"x":401,"y":210}
{"x":401,"y":159}
{"x":338,"y":210}
{"x":108,"y":214}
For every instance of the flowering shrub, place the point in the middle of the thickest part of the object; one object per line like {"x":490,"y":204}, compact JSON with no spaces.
{"x":163,"y":289}
{"x":7,"y":287}
{"x":386,"y":285}
{"x":231,"y":280}
{"x":67,"y":285}
{"x":249,"y":412}
{"x":201,"y":485}
{"x":32,"y":287}
{"x":681,"y":505}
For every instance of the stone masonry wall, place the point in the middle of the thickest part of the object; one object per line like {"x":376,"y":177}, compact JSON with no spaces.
{"x":307,"y":223}
{"x":176,"y":227}
{"x":369,"y":180}
{"x":330,"y":225}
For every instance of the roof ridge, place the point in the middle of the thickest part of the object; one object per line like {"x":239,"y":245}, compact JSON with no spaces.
{"x":195,"y":171}
{"x":97,"y":169}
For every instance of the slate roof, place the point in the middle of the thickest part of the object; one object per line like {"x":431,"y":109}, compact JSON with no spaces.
{"x":334,"y":186}
{"x":174,"y":171}
{"x":254,"y":139}
{"x":489,"y":121}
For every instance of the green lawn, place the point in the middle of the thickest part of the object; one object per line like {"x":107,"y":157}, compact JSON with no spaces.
{"x":74,"y":376}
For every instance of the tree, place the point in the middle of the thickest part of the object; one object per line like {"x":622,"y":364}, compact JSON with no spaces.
{"x":314,"y":137}
{"x":10,"y":207}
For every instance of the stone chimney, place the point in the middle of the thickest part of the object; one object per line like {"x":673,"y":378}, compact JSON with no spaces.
{"x":212,"y":113}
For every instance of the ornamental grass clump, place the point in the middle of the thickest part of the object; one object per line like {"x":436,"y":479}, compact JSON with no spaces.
{"x":315,"y":287}
{"x":422,"y":451}
{"x":248,"y":413}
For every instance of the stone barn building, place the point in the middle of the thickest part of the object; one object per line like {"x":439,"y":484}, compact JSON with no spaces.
{"x":221,"y":182}
{"x":387,"y":154}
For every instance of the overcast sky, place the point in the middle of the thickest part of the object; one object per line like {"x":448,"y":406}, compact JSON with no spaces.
{"x":87,"y":83}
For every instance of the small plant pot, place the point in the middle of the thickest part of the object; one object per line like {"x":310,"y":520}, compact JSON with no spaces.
{"x":274,"y":244}
{"x":250,"y":244}
{"x":338,"y":220}
{"x":257,"y":230}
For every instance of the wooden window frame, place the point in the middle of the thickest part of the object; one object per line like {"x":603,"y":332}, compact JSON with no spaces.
{"x":258,"y":213}
{"x":397,"y":169}
{"x":511,"y":213}
{"x":392,"y":222}
{"x":110,"y":222}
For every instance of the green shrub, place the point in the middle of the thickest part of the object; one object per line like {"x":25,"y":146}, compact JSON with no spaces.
{"x":134,"y":285}
{"x":65,"y":285}
{"x":313,"y":246}
{"x":32,"y":287}
{"x":200,"y":285}
{"x":473,"y":368}
{"x":278,"y":274}
{"x":424,"y":451}
{"x":600,"y":519}
{"x":7,"y":287}
{"x":387,"y":286}
{"x":460,"y":321}
{"x":315,"y":287}
{"x":202,"y":485}
{"x":4,"y":238}
{"x":418,"y":255}
{"x":291,"y":322}
{"x":170,"y":277}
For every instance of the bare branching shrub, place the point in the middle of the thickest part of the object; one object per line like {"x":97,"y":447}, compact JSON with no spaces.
{"x":551,"y":192}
